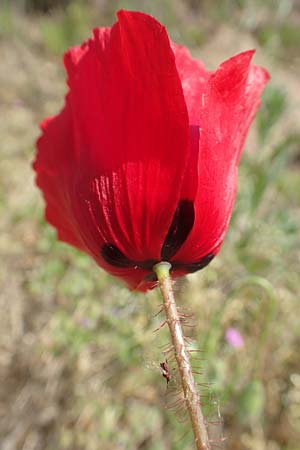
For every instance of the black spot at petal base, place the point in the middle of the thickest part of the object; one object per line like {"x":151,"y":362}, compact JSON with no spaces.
{"x":194,"y":266}
{"x":198,"y":265}
{"x":113,"y":256}
{"x":182,"y":223}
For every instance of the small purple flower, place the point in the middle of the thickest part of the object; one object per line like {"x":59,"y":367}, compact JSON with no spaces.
{"x":234,"y":338}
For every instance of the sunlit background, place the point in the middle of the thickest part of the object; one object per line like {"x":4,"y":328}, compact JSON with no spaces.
{"x":79,"y":361}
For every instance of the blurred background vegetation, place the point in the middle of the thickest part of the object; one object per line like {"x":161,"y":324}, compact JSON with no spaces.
{"x":78,"y":356}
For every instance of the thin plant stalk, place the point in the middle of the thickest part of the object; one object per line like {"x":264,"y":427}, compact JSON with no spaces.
{"x":191,"y":396}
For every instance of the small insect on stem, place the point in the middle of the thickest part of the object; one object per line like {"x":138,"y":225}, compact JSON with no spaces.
{"x":165,"y":370}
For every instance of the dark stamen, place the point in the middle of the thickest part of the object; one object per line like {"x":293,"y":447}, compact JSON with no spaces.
{"x":179,"y":230}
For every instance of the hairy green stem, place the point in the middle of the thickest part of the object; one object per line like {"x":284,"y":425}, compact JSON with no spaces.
{"x":191,"y":396}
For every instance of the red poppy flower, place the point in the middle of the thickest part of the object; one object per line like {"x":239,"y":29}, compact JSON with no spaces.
{"x":141,"y":163}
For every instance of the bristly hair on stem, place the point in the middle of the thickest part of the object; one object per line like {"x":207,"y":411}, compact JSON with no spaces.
{"x":191,"y":397}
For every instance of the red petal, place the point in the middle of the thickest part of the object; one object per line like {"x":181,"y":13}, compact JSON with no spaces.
{"x":54,"y":164}
{"x":194,"y":78}
{"x":132,"y":135}
{"x":230,"y":102}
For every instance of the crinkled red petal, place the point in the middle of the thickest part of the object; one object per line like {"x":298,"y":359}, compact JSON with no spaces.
{"x":54,"y":164}
{"x":111,"y":164}
{"x":194,"y":79}
{"x":132,"y":134}
{"x":193,"y":76}
{"x":231,"y":98}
